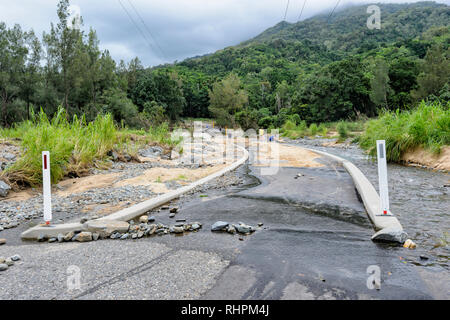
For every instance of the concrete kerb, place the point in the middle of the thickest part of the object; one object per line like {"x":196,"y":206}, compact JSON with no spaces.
{"x":133,"y":211}
{"x":388,"y":228}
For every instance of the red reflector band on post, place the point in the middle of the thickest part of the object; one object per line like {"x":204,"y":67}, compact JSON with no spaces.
{"x":45,"y":162}
{"x":385,"y":212}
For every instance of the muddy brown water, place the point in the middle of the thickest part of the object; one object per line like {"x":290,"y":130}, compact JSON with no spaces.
{"x":418,"y":197}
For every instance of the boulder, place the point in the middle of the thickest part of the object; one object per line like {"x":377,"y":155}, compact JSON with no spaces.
{"x":84,"y":236}
{"x":390,"y":234}
{"x":4,"y":189}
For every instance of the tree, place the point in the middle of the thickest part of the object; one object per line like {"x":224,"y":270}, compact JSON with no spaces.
{"x":227,"y":98}
{"x":379,"y":83}
{"x":435,"y":73}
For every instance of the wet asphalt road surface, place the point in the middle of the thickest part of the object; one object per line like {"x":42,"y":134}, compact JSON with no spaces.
{"x":314,"y":244}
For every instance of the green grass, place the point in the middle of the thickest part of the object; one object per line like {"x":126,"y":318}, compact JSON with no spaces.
{"x":75,"y":146}
{"x":428,"y":126}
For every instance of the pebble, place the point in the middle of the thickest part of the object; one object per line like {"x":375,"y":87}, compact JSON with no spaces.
{"x":231,"y":229}
{"x":125,"y":236}
{"x":2,"y":260}
{"x":15,"y":257}
{"x":172,"y":215}
{"x":177,"y":229}
{"x":219,"y":226}
{"x":95,"y":236}
{"x":173,"y":210}
{"x":2,"y":241}
{"x":9,"y":262}
{"x":60,"y":237}
{"x":3,"y":267}
{"x":41,"y":237}
{"x":143,"y":219}
{"x":151,"y":219}
{"x":69,"y":236}
{"x":52,"y":240}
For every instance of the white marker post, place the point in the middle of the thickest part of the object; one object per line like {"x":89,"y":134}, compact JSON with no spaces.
{"x":382,"y":178}
{"x":47,"y":187}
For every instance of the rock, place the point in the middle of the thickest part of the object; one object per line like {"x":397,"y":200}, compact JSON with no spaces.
{"x":391,"y":234}
{"x":9,"y":262}
{"x":177,"y":229}
{"x":84,"y":236}
{"x":172,"y":215}
{"x":9,"y":156}
{"x":134,"y":236}
{"x":151,"y":219}
{"x":143,"y":219}
{"x":243,"y":228}
{"x":2,"y":259}
{"x":195,"y":226}
{"x":15,"y":257}
{"x":95,"y":236}
{"x":140,"y":234}
{"x":165,"y":207}
{"x":60,"y":237}
{"x":51,"y":240}
{"x":125,"y":236}
{"x":231,"y":229}
{"x":424,"y":258}
{"x":173,"y":210}
{"x":106,"y":228}
{"x":83,"y":220}
{"x":2,"y":241}
{"x":152,"y":152}
{"x":41,"y":237}
{"x":219,"y":226}
{"x":260,"y":224}
{"x":3,"y":267}
{"x":115,"y":235}
{"x":180,"y":220}
{"x":4,"y":189}
{"x":69,"y":236}
{"x":409,"y":244}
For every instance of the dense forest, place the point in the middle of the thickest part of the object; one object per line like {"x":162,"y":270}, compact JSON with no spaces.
{"x":321,"y":70}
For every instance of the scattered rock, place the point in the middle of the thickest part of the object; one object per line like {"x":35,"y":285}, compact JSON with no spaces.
{"x":15,"y":257}
{"x":60,"y":237}
{"x":2,"y":260}
{"x":2,"y":241}
{"x":83,"y":220}
{"x":181,"y":220}
{"x":41,"y":237}
{"x":424,"y":258}
{"x":174,"y":210}
{"x":84,"y":236}
{"x":177,"y":229}
{"x":51,"y":240}
{"x":125,"y":236}
{"x":140,"y":234}
{"x":69,"y":236}
{"x":219,"y":226}
{"x":9,"y":262}
{"x":9,"y":156}
{"x":151,"y":219}
{"x":231,"y":229}
{"x":3,"y":267}
{"x":195,"y":226}
{"x":171,"y":215}
{"x":95,"y":236}
{"x":165,"y":207}
{"x":134,"y":236}
{"x":4,"y":189}
{"x":242,"y":228}
{"x":409,"y":244}
{"x":143,"y":219}
{"x":260,"y":224}
{"x":390,"y":234}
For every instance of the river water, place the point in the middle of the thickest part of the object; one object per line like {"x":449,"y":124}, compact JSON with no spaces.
{"x":418,"y":197}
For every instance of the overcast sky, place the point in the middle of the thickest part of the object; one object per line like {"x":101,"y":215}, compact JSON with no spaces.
{"x":172,"y":29}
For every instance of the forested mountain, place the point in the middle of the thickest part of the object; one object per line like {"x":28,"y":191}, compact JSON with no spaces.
{"x":319,"y":70}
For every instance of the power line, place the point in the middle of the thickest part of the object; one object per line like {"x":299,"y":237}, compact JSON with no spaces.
{"x":285,"y":13}
{"x":136,"y":25}
{"x":147,"y":29}
{"x":301,"y":12}
{"x":333,"y":10}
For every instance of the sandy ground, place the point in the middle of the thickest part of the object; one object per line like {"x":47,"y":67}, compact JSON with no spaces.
{"x":420,"y":156}
{"x":289,"y":157}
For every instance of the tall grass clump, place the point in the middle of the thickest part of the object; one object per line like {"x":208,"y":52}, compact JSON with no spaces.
{"x":75,"y":146}
{"x":428,"y":126}
{"x":342,"y":129}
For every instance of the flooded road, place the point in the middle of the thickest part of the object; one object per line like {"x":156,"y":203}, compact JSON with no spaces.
{"x":418,"y":197}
